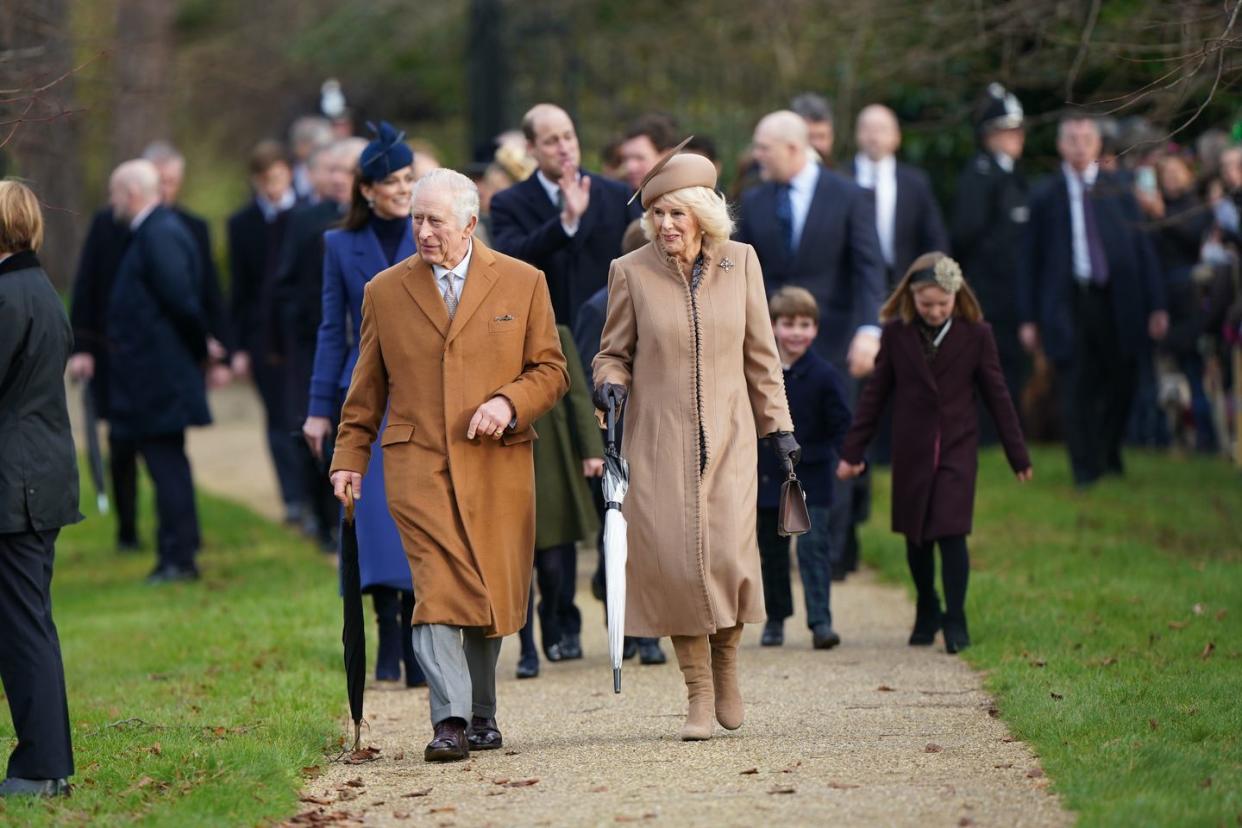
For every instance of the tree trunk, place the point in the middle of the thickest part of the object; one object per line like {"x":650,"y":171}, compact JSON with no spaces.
{"x":142,"y":62}
{"x":42,"y":133}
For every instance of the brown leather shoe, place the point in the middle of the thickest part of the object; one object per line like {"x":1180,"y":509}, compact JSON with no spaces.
{"x":450,"y":743}
{"x":483,"y":734}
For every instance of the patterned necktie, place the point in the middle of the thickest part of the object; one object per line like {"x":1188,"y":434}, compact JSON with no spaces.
{"x":1095,"y":246}
{"x":450,"y":295}
{"x":784,"y":215}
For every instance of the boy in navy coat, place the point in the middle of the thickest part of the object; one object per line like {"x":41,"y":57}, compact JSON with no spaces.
{"x":821,"y":417}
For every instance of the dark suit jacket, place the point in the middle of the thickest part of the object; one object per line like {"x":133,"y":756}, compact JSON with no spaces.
{"x":838,"y":258}
{"x":39,"y":472}
{"x":1049,"y":285}
{"x":527,"y":226}
{"x":936,"y":424}
{"x":590,"y":327}
{"x":254,"y":256}
{"x":918,"y":226}
{"x":816,"y":395}
{"x":213,"y":297}
{"x":157,"y":332}
{"x":990,"y":215}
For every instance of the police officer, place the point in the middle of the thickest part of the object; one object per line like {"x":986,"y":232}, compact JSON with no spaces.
{"x":989,"y":220}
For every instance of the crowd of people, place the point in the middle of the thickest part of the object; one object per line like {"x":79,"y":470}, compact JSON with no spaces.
{"x":1109,"y":288}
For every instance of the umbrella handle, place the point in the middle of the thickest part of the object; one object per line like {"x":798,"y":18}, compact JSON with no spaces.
{"x":612,"y":420}
{"x":349,"y":502}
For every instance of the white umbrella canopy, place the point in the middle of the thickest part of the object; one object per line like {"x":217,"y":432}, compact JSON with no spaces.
{"x":616,"y":484}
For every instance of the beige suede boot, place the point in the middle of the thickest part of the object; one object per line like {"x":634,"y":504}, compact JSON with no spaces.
{"x":729,"y":710}
{"x":694,"y":656}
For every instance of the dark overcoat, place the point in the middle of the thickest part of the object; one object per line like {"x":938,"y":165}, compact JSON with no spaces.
{"x":157,"y":333}
{"x":568,"y":434}
{"x":816,"y":394}
{"x":936,"y":424}
{"x":38,"y":465}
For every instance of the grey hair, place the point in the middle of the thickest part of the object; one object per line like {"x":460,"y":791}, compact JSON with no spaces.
{"x":162,"y":152}
{"x":310,"y":129}
{"x":464,"y":193}
{"x":1078,"y":118}
{"x":812,"y":107}
{"x":138,"y":175}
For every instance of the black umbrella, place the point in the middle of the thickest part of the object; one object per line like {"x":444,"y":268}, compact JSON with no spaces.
{"x":93,"y":452}
{"x":353,"y":636}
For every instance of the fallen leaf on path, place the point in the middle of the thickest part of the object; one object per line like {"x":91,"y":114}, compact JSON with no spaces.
{"x":377,"y":803}
{"x":993,"y":711}
{"x":317,"y":800}
{"x":398,"y":756}
{"x":443,"y":809}
{"x":842,"y":786}
{"x":1056,"y":696}
{"x":400,"y":814}
{"x":1008,"y":739}
{"x":362,"y":755}
{"x":932,"y":747}
{"x":884,"y":688}
{"x":356,"y":782}
{"x":1035,"y":773}
{"x":1208,"y":650}
{"x":496,"y":792}
{"x":749,"y":772}
{"x":522,"y":783}
{"x":1005,"y":766}
{"x":792,"y":767}
{"x":628,"y":818}
{"x":965,"y":821}
{"x":411,"y":794}
{"x":311,"y":771}
{"x":1178,"y":625}
{"x":512,"y":752}
{"x":502,"y":781}
{"x":783,"y":789}
{"x":345,"y":794}
{"x":599,"y":789}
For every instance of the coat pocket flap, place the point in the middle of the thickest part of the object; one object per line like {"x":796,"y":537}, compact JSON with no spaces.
{"x":396,"y":433}
{"x":526,"y":435}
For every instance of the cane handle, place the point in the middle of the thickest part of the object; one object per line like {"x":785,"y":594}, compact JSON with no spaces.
{"x":349,"y":502}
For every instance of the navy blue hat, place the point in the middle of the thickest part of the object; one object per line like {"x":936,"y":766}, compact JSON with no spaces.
{"x":386,"y":154}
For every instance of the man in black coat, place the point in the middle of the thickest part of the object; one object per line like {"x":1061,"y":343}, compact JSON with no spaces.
{"x":256,"y":239}
{"x":562,"y":220}
{"x":157,"y":339}
{"x":105,"y":244}
{"x":1092,"y":295}
{"x":816,"y":229}
{"x":299,"y":302}
{"x":38,"y":495}
{"x":907,"y":218}
{"x":988,"y":228}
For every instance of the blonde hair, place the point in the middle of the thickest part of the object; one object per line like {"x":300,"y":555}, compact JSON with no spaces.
{"x":21,"y":220}
{"x":709,"y":208}
{"x":900,"y":304}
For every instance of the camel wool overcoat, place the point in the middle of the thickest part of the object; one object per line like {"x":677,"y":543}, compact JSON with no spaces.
{"x":705,"y":382}
{"x":465,"y":508}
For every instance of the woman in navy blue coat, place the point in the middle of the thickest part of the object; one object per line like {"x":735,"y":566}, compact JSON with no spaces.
{"x":375,"y":235}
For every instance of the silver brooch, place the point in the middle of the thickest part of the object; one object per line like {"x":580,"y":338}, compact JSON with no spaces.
{"x":726,"y":263}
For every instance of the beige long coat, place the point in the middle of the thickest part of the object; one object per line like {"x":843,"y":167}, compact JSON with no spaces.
{"x":465,"y":508}
{"x":708,"y":362}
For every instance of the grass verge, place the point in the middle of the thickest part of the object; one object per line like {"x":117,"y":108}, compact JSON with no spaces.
{"x":1109,"y":626}
{"x":193,"y":704}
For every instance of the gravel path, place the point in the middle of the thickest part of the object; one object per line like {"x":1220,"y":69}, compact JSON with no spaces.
{"x":871,"y":733}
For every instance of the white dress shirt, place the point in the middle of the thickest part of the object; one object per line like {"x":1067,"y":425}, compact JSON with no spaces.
{"x":1004,"y":161}
{"x":881,"y":177}
{"x":272,"y":209}
{"x":801,"y":192}
{"x":457,"y":274}
{"x":1078,"y":223}
{"x":554,"y":193}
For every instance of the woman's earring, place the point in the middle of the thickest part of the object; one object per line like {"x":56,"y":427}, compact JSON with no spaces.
{"x":371,"y":203}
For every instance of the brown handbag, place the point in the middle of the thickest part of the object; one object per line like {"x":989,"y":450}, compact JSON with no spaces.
{"x":792,"y":517}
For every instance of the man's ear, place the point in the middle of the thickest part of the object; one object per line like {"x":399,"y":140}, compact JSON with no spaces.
{"x":469,"y":229}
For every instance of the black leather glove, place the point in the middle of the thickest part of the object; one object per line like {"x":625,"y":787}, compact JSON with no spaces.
{"x":786,"y":447}
{"x":606,"y":390}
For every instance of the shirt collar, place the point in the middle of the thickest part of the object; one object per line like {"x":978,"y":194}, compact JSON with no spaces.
{"x":137,"y":220}
{"x":552,"y":188}
{"x":1088,"y":175}
{"x":463,"y":267}
{"x":272,"y":209}
{"x":805,"y":180}
{"x":1004,"y":161}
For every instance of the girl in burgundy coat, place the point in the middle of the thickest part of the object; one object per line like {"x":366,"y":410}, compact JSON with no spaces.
{"x":936,"y":355}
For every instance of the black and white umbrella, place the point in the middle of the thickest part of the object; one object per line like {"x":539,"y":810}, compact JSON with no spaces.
{"x":616,"y":484}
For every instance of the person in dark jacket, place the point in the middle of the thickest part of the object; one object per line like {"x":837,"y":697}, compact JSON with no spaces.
{"x":158,"y":347}
{"x":1092,"y":296}
{"x":105,"y":244}
{"x":38,"y":495}
{"x":937,"y":358}
{"x":569,"y":451}
{"x":989,"y":218}
{"x":816,"y":396}
{"x":256,"y":237}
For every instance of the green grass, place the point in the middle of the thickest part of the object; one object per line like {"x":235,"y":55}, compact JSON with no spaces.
{"x":1109,"y":625}
{"x":193,"y":704}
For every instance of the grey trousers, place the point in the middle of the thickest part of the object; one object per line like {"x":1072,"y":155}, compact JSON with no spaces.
{"x":460,"y":663}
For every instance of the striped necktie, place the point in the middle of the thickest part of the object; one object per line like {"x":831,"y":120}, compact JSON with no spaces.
{"x":450,"y":295}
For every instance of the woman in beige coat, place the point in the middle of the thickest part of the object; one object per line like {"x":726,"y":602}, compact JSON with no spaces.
{"x":688,"y":348}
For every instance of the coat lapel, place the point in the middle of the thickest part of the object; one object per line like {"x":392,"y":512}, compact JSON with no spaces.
{"x":950,"y":348}
{"x":817,"y":216}
{"x":420,"y":283}
{"x":480,"y":280}
{"x":914,"y":351}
